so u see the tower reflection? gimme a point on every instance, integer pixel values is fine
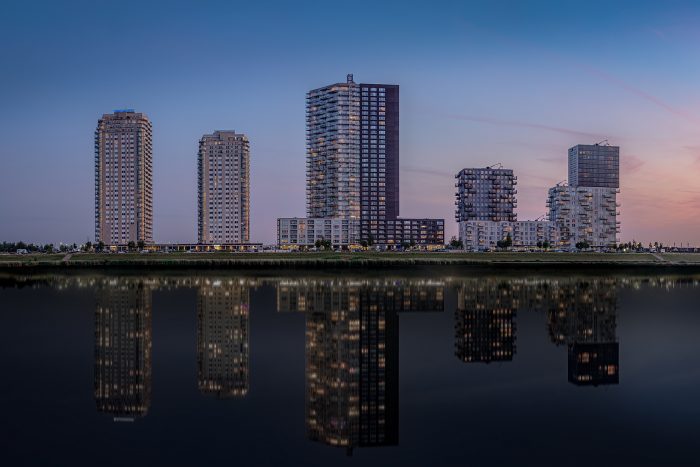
(583, 316)
(222, 338)
(485, 320)
(122, 374)
(352, 355)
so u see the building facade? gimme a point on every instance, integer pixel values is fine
(586, 209)
(223, 188)
(379, 159)
(123, 179)
(584, 215)
(594, 165)
(333, 151)
(352, 165)
(486, 194)
(484, 235)
(297, 232)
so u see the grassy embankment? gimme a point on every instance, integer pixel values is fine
(330, 259)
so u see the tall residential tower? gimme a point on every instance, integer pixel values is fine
(123, 179)
(352, 171)
(586, 209)
(224, 188)
(332, 151)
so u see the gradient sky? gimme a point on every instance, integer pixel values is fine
(481, 83)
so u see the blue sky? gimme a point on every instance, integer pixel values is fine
(481, 82)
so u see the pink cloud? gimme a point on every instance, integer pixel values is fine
(630, 164)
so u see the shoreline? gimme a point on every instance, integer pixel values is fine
(498, 260)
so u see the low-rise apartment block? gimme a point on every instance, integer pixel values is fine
(295, 232)
(484, 235)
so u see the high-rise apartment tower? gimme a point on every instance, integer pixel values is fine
(224, 188)
(123, 179)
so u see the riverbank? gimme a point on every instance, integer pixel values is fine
(347, 260)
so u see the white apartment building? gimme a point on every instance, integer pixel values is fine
(483, 235)
(295, 232)
(223, 188)
(585, 214)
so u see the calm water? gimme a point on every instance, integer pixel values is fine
(418, 368)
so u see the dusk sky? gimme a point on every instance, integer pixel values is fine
(481, 83)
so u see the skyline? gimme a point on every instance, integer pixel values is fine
(479, 86)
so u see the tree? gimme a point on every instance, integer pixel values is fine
(48, 248)
(364, 243)
(131, 245)
(509, 241)
(405, 245)
(545, 245)
(539, 244)
(100, 245)
(141, 244)
(88, 246)
(582, 245)
(370, 240)
(457, 244)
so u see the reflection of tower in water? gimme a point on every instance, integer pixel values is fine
(123, 350)
(583, 315)
(222, 338)
(485, 320)
(352, 355)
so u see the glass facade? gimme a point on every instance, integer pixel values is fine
(594, 165)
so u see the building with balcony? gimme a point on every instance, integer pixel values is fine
(584, 214)
(123, 178)
(352, 165)
(484, 235)
(586, 209)
(302, 232)
(223, 167)
(486, 194)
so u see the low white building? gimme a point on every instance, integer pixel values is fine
(295, 232)
(483, 235)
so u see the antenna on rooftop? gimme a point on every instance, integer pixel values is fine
(603, 143)
(497, 165)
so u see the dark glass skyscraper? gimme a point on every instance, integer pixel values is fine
(594, 165)
(379, 158)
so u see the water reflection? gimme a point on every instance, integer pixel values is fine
(352, 354)
(351, 342)
(222, 338)
(583, 316)
(123, 349)
(485, 320)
